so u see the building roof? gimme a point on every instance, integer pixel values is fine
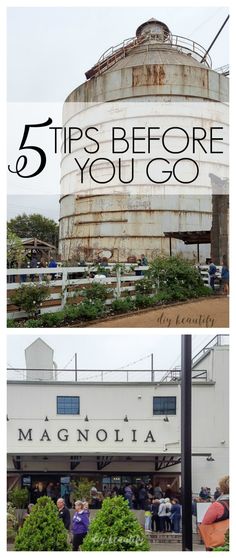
(36, 242)
(191, 237)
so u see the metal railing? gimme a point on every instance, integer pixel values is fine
(99, 375)
(175, 374)
(119, 51)
(224, 70)
(218, 340)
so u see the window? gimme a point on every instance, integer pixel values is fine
(68, 405)
(164, 405)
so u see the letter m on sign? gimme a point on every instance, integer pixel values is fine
(23, 436)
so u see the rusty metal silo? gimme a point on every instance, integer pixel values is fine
(155, 66)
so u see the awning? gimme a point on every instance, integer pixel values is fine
(191, 237)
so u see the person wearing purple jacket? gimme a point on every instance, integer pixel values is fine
(80, 524)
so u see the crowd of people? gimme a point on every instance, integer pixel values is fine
(223, 277)
(162, 509)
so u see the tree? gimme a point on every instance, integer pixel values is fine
(115, 528)
(15, 250)
(19, 497)
(42, 529)
(81, 489)
(35, 226)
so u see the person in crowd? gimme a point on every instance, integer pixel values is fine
(217, 493)
(115, 491)
(105, 490)
(95, 500)
(128, 495)
(38, 492)
(168, 509)
(209, 497)
(33, 263)
(80, 524)
(175, 515)
(52, 264)
(50, 491)
(142, 496)
(149, 489)
(168, 492)
(225, 277)
(212, 274)
(63, 513)
(28, 512)
(162, 515)
(148, 515)
(155, 523)
(42, 263)
(158, 491)
(57, 490)
(219, 510)
(203, 494)
(86, 509)
(143, 260)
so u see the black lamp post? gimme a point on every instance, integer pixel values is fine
(186, 441)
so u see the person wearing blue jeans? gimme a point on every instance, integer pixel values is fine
(175, 515)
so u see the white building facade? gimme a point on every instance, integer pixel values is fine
(112, 432)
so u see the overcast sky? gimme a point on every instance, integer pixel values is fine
(108, 350)
(49, 50)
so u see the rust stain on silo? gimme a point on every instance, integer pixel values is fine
(153, 74)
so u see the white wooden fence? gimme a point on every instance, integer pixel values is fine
(63, 288)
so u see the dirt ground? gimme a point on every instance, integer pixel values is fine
(210, 312)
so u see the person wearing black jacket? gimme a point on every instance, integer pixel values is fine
(63, 513)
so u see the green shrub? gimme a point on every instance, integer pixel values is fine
(90, 310)
(42, 529)
(19, 497)
(33, 322)
(163, 295)
(174, 272)
(115, 528)
(30, 297)
(12, 522)
(144, 286)
(52, 319)
(143, 301)
(123, 305)
(96, 291)
(13, 323)
(71, 312)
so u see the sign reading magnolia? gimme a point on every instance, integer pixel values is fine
(63, 435)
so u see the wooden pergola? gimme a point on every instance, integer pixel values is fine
(190, 237)
(42, 248)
